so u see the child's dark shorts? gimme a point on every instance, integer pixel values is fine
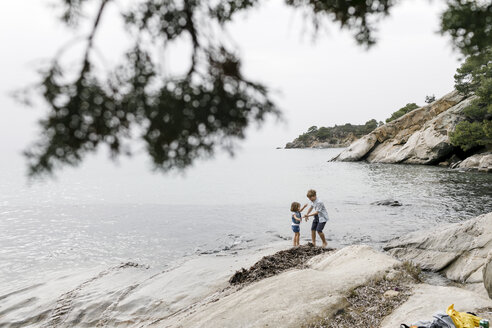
(316, 225)
(296, 228)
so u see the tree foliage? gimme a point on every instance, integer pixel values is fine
(469, 23)
(181, 117)
(402, 111)
(337, 132)
(475, 76)
(469, 135)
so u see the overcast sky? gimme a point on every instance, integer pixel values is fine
(326, 82)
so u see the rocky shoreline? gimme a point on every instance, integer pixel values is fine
(421, 137)
(322, 295)
(356, 286)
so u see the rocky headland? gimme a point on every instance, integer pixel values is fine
(421, 137)
(356, 286)
(314, 142)
(337, 136)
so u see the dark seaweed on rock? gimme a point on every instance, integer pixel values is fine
(271, 265)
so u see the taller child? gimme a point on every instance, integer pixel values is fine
(320, 217)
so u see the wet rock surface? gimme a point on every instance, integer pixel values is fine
(479, 162)
(271, 265)
(387, 202)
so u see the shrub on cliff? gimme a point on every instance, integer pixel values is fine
(469, 135)
(402, 111)
(430, 99)
(475, 76)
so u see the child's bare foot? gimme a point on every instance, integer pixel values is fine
(325, 244)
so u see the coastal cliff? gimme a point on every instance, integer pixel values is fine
(420, 137)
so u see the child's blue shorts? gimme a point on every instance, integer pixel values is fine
(316, 225)
(296, 228)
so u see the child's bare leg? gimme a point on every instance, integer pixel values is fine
(298, 237)
(294, 239)
(322, 236)
(313, 237)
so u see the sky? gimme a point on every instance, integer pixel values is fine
(323, 81)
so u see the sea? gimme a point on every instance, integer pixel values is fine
(105, 213)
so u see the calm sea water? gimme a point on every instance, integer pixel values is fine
(102, 214)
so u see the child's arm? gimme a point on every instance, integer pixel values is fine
(307, 214)
(302, 208)
(312, 214)
(297, 218)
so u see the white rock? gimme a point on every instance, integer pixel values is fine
(358, 149)
(457, 250)
(487, 275)
(120, 296)
(391, 293)
(418, 137)
(291, 298)
(480, 162)
(427, 300)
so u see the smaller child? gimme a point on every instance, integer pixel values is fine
(296, 210)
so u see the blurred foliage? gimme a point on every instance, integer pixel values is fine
(475, 77)
(469, 23)
(338, 132)
(181, 117)
(402, 111)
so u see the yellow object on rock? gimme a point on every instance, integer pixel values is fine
(462, 319)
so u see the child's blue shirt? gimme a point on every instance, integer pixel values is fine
(294, 220)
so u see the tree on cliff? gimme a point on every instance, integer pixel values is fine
(182, 117)
(475, 77)
(371, 125)
(402, 111)
(430, 99)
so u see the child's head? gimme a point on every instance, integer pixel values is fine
(295, 207)
(311, 194)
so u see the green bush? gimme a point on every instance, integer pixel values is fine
(476, 111)
(371, 125)
(468, 135)
(475, 76)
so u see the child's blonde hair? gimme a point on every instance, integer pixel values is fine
(295, 206)
(311, 193)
